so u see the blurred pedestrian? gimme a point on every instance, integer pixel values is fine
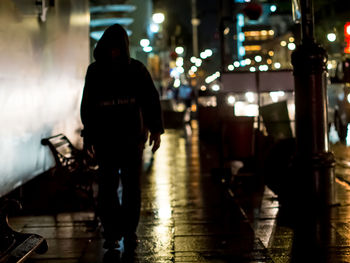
(120, 107)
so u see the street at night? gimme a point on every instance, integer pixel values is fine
(189, 216)
(154, 131)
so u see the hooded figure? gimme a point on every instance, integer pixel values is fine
(120, 107)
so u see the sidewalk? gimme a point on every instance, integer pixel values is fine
(187, 216)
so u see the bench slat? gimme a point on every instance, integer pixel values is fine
(26, 248)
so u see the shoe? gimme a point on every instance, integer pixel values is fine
(111, 244)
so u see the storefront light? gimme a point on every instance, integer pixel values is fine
(180, 70)
(193, 59)
(179, 62)
(241, 51)
(144, 42)
(198, 62)
(231, 100)
(179, 50)
(252, 69)
(194, 68)
(250, 96)
(215, 87)
(275, 95)
(158, 18)
(147, 49)
(263, 67)
(177, 83)
(236, 64)
(230, 67)
(226, 31)
(208, 52)
(243, 108)
(277, 65)
(241, 36)
(291, 46)
(273, 8)
(174, 73)
(331, 37)
(154, 28)
(258, 58)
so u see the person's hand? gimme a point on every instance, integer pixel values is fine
(154, 139)
(89, 148)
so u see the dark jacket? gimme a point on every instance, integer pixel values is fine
(120, 100)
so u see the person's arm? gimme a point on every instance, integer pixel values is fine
(151, 109)
(85, 111)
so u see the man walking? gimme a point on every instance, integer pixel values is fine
(120, 108)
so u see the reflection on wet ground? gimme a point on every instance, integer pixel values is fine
(188, 216)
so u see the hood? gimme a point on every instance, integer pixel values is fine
(114, 36)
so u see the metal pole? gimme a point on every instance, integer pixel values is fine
(221, 36)
(314, 163)
(195, 23)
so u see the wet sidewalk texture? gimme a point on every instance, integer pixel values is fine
(190, 216)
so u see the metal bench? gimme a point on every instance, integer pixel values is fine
(16, 246)
(74, 168)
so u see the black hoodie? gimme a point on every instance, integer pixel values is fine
(119, 100)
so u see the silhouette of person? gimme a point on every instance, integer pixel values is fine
(120, 107)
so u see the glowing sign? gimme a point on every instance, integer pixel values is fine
(347, 37)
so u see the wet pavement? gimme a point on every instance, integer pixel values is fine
(188, 215)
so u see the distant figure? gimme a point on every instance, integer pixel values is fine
(120, 106)
(186, 95)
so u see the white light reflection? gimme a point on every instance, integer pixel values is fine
(161, 180)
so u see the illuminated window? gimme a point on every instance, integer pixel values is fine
(253, 48)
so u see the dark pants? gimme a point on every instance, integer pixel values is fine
(119, 218)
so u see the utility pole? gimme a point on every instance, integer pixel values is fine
(195, 23)
(315, 164)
